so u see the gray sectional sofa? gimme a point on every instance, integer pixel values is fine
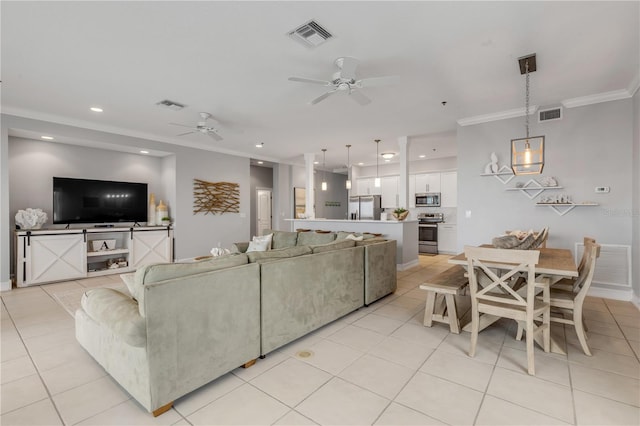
(185, 324)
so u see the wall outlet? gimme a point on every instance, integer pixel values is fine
(602, 189)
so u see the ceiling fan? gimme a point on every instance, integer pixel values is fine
(201, 127)
(345, 80)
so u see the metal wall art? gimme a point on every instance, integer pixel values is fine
(215, 197)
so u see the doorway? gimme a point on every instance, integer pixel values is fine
(263, 210)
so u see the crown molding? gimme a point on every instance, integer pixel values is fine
(502, 115)
(614, 95)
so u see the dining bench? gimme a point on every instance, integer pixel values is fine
(441, 301)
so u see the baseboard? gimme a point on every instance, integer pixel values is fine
(636, 301)
(606, 293)
(5, 285)
(405, 266)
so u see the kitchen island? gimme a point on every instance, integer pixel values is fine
(404, 232)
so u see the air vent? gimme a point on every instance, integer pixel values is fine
(171, 105)
(549, 114)
(310, 34)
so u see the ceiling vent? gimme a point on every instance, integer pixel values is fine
(171, 105)
(310, 34)
(550, 114)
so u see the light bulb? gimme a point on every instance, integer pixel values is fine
(347, 184)
(376, 182)
(527, 155)
(324, 186)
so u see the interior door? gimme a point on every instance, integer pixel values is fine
(263, 213)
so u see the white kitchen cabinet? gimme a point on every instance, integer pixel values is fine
(366, 186)
(412, 191)
(449, 189)
(447, 238)
(389, 192)
(427, 182)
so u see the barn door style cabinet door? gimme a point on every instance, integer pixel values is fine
(151, 247)
(42, 258)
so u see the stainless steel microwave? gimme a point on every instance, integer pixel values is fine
(428, 199)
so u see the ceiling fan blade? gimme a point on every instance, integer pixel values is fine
(359, 97)
(214, 135)
(182, 125)
(310, 80)
(182, 134)
(348, 67)
(322, 97)
(378, 81)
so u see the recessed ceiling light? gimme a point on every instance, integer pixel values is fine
(47, 138)
(260, 162)
(144, 152)
(96, 109)
(260, 145)
(360, 164)
(316, 162)
(387, 155)
(422, 156)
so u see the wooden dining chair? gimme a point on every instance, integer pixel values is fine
(569, 302)
(497, 296)
(570, 283)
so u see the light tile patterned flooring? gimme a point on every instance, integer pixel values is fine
(378, 365)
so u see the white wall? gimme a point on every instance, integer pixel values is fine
(591, 146)
(5, 217)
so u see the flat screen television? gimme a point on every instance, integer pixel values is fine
(98, 201)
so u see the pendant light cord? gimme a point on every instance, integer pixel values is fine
(526, 97)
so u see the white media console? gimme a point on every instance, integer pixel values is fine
(48, 255)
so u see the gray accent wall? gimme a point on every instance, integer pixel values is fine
(591, 146)
(170, 177)
(332, 203)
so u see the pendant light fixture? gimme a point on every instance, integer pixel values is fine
(376, 181)
(324, 172)
(527, 154)
(347, 183)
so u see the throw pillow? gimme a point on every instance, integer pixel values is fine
(353, 237)
(268, 238)
(258, 245)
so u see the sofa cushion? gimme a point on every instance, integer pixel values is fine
(341, 235)
(117, 312)
(314, 238)
(266, 256)
(259, 245)
(240, 247)
(334, 245)
(283, 239)
(166, 271)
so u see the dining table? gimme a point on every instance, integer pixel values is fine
(553, 265)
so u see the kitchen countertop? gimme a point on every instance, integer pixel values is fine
(357, 221)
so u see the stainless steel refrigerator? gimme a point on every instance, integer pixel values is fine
(365, 207)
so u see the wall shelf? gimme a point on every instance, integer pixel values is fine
(502, 171)
(564, 208)
(535, 186)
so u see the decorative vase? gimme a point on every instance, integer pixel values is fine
(151, 220)
(401, 216)
(161, 211)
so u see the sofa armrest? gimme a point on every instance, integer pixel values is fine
(117, 312)
(240, 247)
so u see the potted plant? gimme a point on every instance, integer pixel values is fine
(400, 213)
(166, 221)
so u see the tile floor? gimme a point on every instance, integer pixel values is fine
(378, 365)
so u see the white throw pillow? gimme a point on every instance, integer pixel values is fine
(262, 243)
(353, 237)
(258, 245)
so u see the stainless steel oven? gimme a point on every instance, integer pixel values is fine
(428, 232)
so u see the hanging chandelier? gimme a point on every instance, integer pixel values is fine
(347, 183)
(527, 154)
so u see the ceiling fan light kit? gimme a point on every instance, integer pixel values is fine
(345, 80)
